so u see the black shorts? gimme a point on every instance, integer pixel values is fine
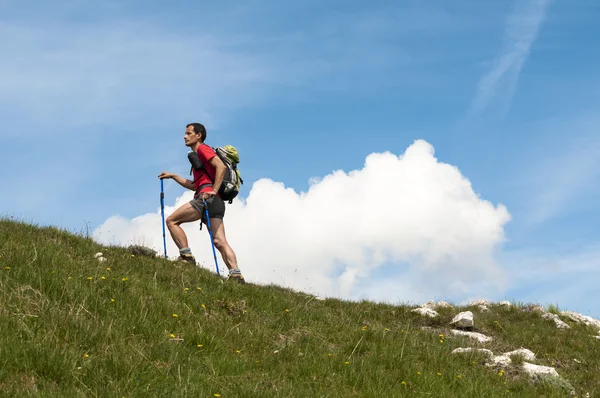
(216, 207)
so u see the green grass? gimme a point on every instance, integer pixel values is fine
(72, 326)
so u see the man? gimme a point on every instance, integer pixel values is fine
(206, 184)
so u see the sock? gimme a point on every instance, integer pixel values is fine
(235, 271)
(185, 251)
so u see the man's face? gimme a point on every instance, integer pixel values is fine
(190, 137)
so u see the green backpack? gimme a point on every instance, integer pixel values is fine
(232, 180)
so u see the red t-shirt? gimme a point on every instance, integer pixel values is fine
(205, 153)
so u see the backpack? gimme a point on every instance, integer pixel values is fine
(232, 179)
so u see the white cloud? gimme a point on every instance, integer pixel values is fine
(402, 227)
(521, 32)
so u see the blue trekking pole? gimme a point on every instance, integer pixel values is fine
(162, 210)
(211, 237)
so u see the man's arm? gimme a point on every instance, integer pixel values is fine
(180, 180)
(219, 173)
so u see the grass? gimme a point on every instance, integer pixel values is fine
(137, 326)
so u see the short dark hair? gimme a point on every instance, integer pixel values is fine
(199, 129)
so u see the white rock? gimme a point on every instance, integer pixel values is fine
(526, 354)
(482, 338)
(433, 305)
(483, 308)
(429, 304)
(101, 259)
(479, 302)
(470, 349)
(464, 319)
(426, 312)
(500, 360)
(537, 370)
(559, 324)
(505, 360)
(317, 297)
(99, 254)
(443, 304)
(535, 308)
(504, 303)
(587, 320)
(598, 337)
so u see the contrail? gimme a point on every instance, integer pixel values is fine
(521, 32)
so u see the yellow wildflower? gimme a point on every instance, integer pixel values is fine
(175, 315)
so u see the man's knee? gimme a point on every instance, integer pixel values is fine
(219, 243)
(171, 220)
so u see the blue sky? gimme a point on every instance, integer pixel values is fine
(95, 96)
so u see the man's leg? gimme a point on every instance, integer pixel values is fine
(227, 253)
(186, 213)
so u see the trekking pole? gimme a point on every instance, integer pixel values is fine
(211, 237)
(162, 210)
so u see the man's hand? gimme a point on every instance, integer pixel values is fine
(164, 175)
(207, 195)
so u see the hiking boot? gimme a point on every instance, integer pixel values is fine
(187, 258)
(238, 277)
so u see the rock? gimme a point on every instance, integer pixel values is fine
(500, 361)
(443, 304)
(597, 337)
(426, 312)
(433, 305)
(99, 254)
(319, 298)
(587, 320)
(463, 320)
(470, 349)
(505, 303)
(483, 308)
(505, 359)
(537, 370)
(479, 302)
(138, 250)
(474, 335)
(101, 259)
(559, 323)
(535, 308)
(526, 354)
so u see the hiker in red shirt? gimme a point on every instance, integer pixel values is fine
(213, 170)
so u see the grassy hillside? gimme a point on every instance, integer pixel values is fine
(136, 326)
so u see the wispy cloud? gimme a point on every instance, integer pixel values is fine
(521, 32)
